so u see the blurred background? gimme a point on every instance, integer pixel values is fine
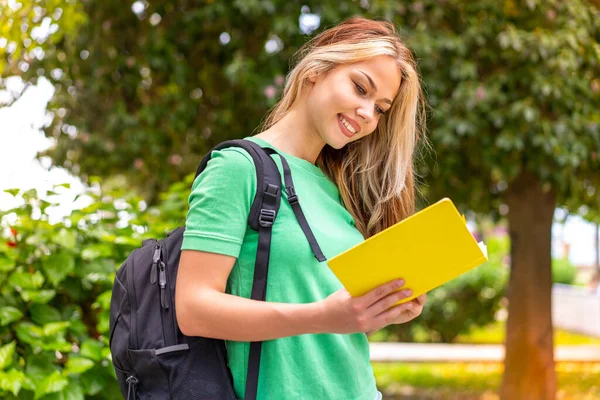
(107, 107)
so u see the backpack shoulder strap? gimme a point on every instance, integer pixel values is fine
(268, 181)
(261, 218)
(292, 197)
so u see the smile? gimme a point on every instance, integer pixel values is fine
(347, 128)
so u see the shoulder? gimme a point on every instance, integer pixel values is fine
(232, 157)
(229, 163)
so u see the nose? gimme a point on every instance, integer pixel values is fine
(365, 113)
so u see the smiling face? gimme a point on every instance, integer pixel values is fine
(347, 103)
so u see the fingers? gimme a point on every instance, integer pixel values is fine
(397, 313)
(389, 301)
(381, 291)
(402, 313)
(420, 300)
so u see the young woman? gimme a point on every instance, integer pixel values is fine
(347, 123)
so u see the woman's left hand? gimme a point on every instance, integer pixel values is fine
(413, 312)
(410, 314)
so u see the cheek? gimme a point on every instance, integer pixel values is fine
(370, 129)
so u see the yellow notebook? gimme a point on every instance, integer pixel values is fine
(427, 249)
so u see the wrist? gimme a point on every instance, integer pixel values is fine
(317, 319)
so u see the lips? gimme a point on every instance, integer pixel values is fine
(345, 130)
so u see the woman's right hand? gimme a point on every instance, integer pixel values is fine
(343, 313)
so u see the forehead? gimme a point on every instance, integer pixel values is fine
(384, 71)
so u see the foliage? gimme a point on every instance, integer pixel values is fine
(515, 88)
(563, 271)
(145, 90)
(56, 289)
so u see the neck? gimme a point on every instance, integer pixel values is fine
(294, 135)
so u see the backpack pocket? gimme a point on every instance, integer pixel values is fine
(152, 380)
(194, 371)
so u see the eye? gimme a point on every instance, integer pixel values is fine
(360, 89)
(362, 92)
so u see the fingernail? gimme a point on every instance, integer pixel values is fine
(400, 282)
(408, 292)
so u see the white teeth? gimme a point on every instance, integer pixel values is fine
(347, 125)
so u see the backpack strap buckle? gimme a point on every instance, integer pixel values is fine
(291, 195)
(266, 218)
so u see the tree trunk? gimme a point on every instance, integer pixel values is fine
(529, 360)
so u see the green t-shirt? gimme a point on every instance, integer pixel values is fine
(311, 366)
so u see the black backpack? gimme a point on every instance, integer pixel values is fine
(151, 357)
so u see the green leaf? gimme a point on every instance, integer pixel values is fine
(12, 381)
(38, 296)
(103, 322)
(96, 251)
(94, 381)
(54, 328)
(128, 240)
(29, 333)
(72, 392)
(102, 266)
(78, 365)
(50, 384)
(9, 314)
(25, 280)
(14, 192)
(103, 300)
(42, 314)
(74, 289)
(60, 344)
(30, 194)
(66, 239)
(6, 354)
(39, 366)
(78, 329)
(92, 349)
(58, 266)
(6, 264)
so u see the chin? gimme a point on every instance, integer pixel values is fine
(338, 146)
(337, 142)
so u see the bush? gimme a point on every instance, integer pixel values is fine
(57, 280)
(563, 271)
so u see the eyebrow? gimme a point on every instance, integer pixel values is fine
(375, 87)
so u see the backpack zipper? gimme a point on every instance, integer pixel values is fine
(155, 260)
(162, 283)
(131, 387)
(160, 268)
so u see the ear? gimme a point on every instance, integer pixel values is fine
(312, 78)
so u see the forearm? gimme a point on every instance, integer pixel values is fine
(224, 316)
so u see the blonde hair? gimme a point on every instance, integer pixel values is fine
(375, 174)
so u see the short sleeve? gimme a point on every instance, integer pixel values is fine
(220, 202)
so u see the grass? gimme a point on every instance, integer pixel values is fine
(480, 381)
(467, 381)
(494, 334)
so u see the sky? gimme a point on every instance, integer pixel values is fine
(21, 138)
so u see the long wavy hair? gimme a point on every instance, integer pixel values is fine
(375, 175)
